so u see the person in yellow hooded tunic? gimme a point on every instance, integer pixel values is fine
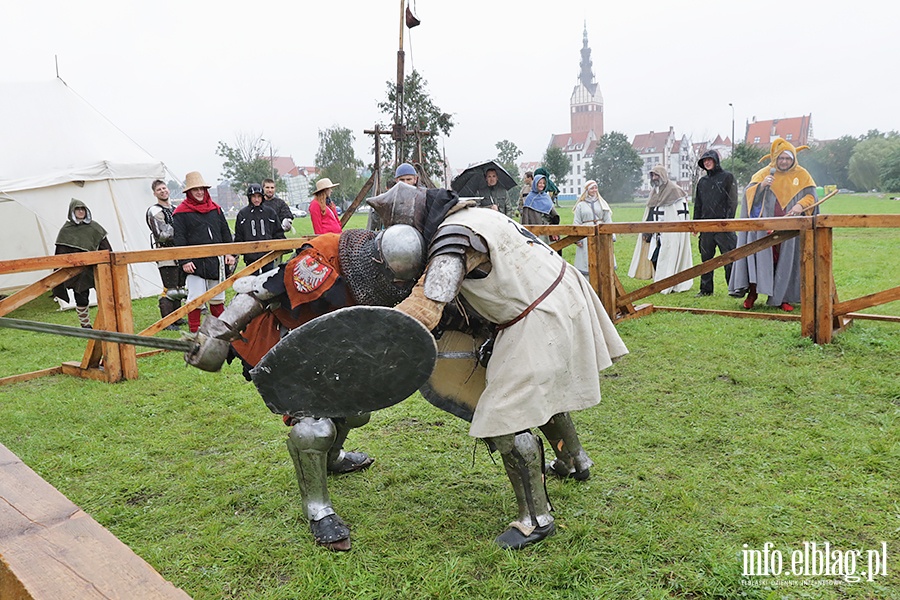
(783, 188)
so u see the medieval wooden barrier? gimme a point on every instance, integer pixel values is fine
(108, 361)
(821, 313)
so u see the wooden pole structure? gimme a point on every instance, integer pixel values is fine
(363, 192)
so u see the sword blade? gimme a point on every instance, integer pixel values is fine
(458, 355)
(97, 334)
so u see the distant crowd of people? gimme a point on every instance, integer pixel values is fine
(782, 188)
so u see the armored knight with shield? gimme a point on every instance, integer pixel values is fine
(329, 273)
(548, 337)
(522, 339)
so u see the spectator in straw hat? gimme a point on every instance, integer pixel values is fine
(197, 221)
(323, 213)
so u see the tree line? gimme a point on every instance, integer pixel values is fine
(863, 163)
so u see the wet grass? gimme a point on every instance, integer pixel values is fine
(713, 433)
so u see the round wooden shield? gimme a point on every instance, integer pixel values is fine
(351, 361)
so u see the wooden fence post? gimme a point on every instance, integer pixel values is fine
(808, 284)
(824, 304)
(601, 270)
(106, 319)
(124, 316)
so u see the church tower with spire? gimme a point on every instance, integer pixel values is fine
(586, 125)
(586, 103)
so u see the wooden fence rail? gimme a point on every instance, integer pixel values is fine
(821, 313)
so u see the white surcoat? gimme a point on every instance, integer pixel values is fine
(548, 362)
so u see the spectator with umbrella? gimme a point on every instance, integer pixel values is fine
(488, 183)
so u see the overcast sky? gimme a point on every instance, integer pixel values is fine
(179, 76)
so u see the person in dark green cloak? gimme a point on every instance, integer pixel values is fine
(79, 234)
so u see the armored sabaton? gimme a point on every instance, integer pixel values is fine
(312, 375)
(502, 273)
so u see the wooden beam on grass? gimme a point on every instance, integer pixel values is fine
(765, 316)
(51, 549)
(640, 310)
(107, 310)
(808, 284)
(74, 369)
(29, 376)
(824, 306)
(602, 277)
(124, 317)
(629, 308)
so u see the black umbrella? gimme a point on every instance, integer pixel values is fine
(470, 181)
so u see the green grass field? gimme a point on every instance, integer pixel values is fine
(713, 434)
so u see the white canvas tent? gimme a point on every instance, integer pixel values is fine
(55, 147)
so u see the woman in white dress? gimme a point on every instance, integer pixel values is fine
(590, 209)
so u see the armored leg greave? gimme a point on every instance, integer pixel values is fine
(340, 461)
(308, 444)
(523, 458)
(571, 459)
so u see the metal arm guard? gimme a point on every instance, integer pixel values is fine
(217, 333)
(447, 261)
(571, 459)
(455, 239)
(308, 444)
(444, 276)
(523, 458)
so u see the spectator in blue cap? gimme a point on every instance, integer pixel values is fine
(407, 174)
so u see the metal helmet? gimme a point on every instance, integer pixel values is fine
(403, 204)
(403, 250)
(254, 188)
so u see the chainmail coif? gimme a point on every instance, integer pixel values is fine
(370, 282)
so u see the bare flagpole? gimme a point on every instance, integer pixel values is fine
(398, 133)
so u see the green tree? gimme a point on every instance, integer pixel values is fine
(507, 155)
(616, 167)
(828, 162)
(175, 189)
(419, 113)
(871, 158)
(557, 164)
(744, 162)
(248, 162)
(890, 175)
(337, 161)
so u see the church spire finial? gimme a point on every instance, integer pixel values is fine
(586, 76)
